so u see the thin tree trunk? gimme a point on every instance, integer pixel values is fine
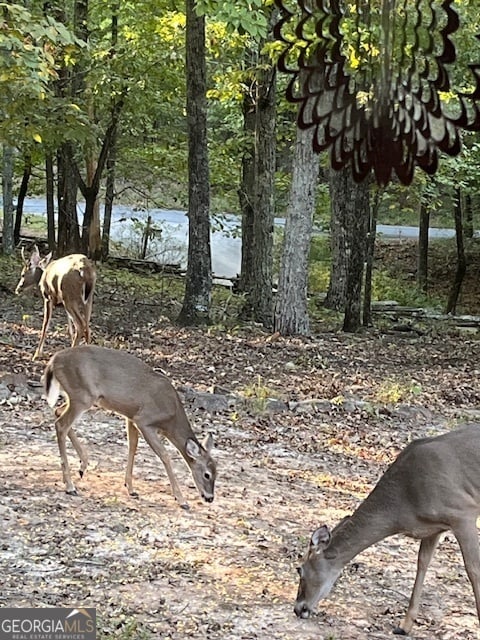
(291, 312)
(22, 194)
(468, 224)
(370, 255)
(8, 244)
(198, 281)
(112, 151)
(50, 198)
(109, 196)
(422, 265)
(461, 259)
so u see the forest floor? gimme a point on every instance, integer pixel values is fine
(226, 570)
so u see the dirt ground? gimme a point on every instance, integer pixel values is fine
(226, 570)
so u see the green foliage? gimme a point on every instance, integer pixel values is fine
(244, 16)
(259, 393)
(32, 45)
(386, 286)
(392, 391)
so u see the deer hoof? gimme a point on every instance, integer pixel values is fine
(72, 492)
(185, 506)
(133, 494)
(398, 631)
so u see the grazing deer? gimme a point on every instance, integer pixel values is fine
(69, 281)
(117, 381)
(433, 486)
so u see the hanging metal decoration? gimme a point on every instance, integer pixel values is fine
(371, 78)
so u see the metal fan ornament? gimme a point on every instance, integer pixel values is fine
(371, 78)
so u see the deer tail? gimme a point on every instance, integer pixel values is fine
(52, 386)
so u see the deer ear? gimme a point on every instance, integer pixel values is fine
(320, 539)
(192, 449)
(207, 442)
(34, 256)
(46, 260)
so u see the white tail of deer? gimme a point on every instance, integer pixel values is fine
(69, 281)
(433, 486)
(117, 381)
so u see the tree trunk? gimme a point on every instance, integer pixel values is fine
(370, 255)
(260, 298)
(350, 214)
(246, 193)
(468, 229)
(291, 312)
(68, 230)
(461, 260)
(22, 194)
(198, 282)
(422, 264)
(112, 151)
(50, 198)
(8, 244)
(109, 196)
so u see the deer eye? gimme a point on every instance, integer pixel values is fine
(207, 475)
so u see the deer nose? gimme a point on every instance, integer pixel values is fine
(208, 498)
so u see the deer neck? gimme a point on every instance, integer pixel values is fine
(37, 275)
(179, 431)
(374, 520)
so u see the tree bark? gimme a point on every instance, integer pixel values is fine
(246, 192)
(198, 281)
(109, 197)
(50, 199)
(370, 255)
(468, 229)
(112, 151)
(8, 244)
(291, 312)
(260, 297)
(22, 194)
(350, 203)
(422, 264)
(68, 229)
(461, 259)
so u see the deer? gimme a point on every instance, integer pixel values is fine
(112, 379)
(68, 281)
(433, 486)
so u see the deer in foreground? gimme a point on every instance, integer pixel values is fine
(432, 487)
(69, 281)
(90, 376)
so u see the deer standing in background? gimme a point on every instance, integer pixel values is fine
(90, 376)
(433, 486)
(69, 281)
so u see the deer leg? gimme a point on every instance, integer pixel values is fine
(47, 314)
(151, 436)
(75, 323)
(467, 537)
(425, 554)
(81, 451)
(88, 315)
(71, 328)
(63, 426)
(132, 437)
